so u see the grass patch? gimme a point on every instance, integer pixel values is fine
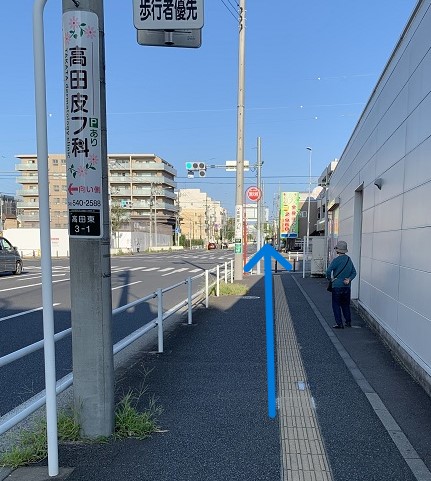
(130, 423)
(234, 289)
(31, 446)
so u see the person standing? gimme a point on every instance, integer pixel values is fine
(342, 272)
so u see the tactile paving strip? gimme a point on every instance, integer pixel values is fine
(303, 455)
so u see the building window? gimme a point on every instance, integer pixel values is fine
(54, 161)
(56, 188)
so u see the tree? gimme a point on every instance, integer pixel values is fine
(119, 215)
(229, 230)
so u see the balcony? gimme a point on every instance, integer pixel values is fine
(32, 167)
(25, 192)
(29, 217)
(27, 205)
(27, 179)
(120, 192)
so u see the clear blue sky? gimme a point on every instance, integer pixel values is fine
(310, 69)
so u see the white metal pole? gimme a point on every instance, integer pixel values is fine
(1, 213)
(189, 299)
(218, 281)
(308, 210)
(160, 319)
(155, 218)
(206, 288)
(151, 217)
(45, 236)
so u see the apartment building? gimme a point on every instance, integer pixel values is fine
(142, 184)
(201, 218)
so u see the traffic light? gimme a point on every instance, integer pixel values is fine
(199, 167)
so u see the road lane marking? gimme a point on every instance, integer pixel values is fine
(38, 276)
(176, 270)
(25, 312)
(196, 270)
(31, 285)
(167, 269)
(150, 269)
(125, 285)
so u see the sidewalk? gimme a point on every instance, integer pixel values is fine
(347, 410)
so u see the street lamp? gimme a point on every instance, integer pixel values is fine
(308, 213)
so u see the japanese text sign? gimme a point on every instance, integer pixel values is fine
(168, 14)
(82, 119)
(289, 208)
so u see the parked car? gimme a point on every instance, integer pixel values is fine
(10, 259)
(212, 245)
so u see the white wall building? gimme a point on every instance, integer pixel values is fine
(379, 198)
(201, 217)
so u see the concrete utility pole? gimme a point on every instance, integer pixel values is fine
(239, 196)
(90, 282)
(259, 202)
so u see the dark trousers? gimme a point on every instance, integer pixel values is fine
(341, 302)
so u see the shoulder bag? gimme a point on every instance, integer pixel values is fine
(329, 288)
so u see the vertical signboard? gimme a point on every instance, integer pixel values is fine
(289, 208)
(82, 123)
(238, 228)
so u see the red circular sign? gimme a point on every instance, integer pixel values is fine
(253, 193)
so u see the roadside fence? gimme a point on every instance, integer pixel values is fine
(209, 279)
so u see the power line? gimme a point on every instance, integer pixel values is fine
(234, 15)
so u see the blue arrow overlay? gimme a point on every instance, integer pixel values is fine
(267, 252)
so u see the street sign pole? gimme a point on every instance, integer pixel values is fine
(45, 241)
(239, 195)
(90, 262)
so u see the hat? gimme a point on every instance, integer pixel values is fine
(341, 247)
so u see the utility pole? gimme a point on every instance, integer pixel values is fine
(90, 261)
(259, 202)
(239, 195)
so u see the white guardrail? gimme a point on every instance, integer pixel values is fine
(20, 413)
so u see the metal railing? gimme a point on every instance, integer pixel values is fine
(192, 300)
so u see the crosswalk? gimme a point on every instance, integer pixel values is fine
(164, 271)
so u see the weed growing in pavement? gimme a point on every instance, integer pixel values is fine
(31, 445)
(234, 289)
(130, 423)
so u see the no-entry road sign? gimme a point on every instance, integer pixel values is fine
(253, 193)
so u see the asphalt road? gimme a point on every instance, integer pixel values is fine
(133, 277)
